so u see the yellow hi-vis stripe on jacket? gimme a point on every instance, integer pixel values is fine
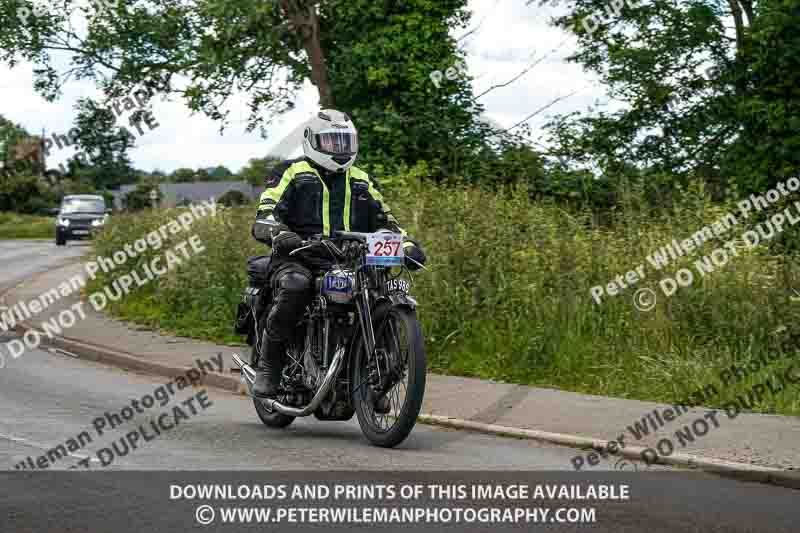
(276, 193)
(373, 191)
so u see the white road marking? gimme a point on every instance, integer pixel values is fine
(59, 351)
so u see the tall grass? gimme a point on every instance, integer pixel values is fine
(16, 226)
(508, 296)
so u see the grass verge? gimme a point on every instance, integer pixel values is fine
(508, 294)
(16, 226)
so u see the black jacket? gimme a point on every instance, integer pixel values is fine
(303, 198)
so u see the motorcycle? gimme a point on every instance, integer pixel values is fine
(359, 348)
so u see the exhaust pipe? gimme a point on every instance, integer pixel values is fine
(248, 374)
(249, 377)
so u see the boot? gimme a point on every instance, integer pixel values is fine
(270, 367)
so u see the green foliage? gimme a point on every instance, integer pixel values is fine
(380, 74)
(700, 99)
(139, 198)
(10, 135)
(219, 173)
(768, 110)
(196, 298)
(182, 175)
(215, 47)
(21, 190)
(205, 51)
(25, 194)
(105, 145)
(17, 151)
(233, 198)
(507, 295)
(16, 226)
(256, 169)
(188, 175)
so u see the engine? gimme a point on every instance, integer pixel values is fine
(337, 286)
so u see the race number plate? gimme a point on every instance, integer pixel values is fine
(385, 249)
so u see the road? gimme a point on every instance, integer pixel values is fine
(41, 391)
(46, 399)
(24, 258)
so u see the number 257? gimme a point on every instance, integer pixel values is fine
(386, 248)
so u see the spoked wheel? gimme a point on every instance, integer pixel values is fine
(270, 418)
(388, 389)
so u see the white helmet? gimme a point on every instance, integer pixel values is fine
(331, 140)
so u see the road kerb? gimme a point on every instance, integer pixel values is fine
(741, 471)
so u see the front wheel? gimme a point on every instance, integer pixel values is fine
(388, 389)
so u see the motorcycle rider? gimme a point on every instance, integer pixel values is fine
(316, 194)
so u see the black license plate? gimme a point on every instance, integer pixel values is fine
(398, 285)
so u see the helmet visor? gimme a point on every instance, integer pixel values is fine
(336, 142)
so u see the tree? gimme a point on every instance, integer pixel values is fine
(219, 173)
(256, 170)
(699, 101)
(139, 198)
(157, 174)
(20, 153)
(201, 174)
(24, 194)
(233, 198)
(182, 175)
(216, 47)
(383, 78)
(373, 59)
(102, 157)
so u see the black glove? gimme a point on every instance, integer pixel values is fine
(413, 251)
(285, 242)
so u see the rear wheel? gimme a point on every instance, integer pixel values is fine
(389, 388)
(270, 418)
(60, 240)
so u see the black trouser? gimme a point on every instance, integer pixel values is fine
(291, 284)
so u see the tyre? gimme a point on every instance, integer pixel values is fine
(60, 241)
(272, 419)
(400, 349)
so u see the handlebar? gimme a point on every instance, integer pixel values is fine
(328, 242)
(305, 246)
(351, 235)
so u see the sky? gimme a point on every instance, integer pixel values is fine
(510, 35)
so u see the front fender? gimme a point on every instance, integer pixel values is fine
(380, 309)
(399, 299)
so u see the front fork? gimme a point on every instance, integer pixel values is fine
(365, 316)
